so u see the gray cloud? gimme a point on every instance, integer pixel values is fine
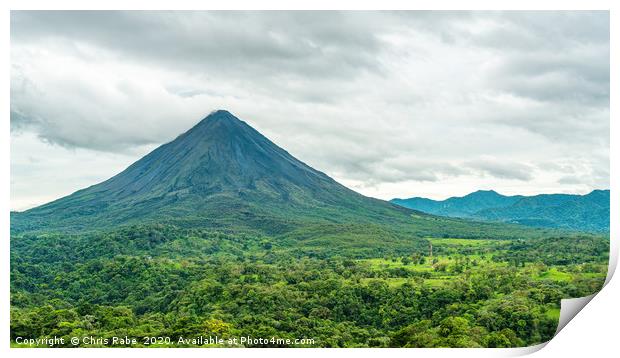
(397, 102)
(570, 180)
(271, 43)
(502, 169)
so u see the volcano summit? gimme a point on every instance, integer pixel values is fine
(221, 173)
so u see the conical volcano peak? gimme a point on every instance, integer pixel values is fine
(220, 171)
(221, 118)
(220, 115)
(220, 158)
(219, 127)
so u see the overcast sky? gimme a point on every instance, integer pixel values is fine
(391, 104)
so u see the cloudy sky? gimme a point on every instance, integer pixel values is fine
(391, 104)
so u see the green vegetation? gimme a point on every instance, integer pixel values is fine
(163, 281)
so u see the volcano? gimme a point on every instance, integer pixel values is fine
(221, 173)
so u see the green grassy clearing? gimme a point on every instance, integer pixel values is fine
(554, 275)
(466, 242)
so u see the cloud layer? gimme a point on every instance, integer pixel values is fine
(390, 103)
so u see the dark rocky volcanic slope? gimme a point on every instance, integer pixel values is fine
(220, 173)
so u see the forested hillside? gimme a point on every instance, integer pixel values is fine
(573, 212)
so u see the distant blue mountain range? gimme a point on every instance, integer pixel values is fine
(588, 212)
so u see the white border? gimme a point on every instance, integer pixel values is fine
(592, 332)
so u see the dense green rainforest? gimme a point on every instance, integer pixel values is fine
(163, 285)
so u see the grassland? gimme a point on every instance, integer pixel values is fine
(476, 256)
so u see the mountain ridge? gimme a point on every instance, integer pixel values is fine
(588, 212)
